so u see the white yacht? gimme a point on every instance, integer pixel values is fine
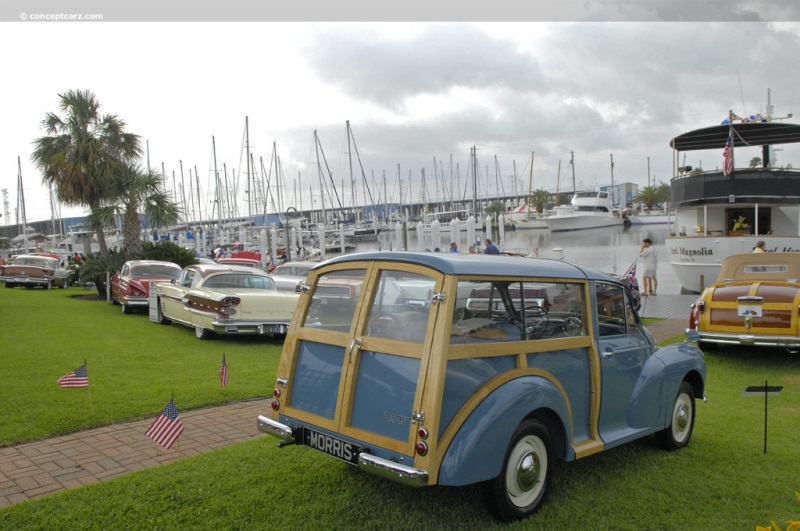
(720, 213)
(589, 210)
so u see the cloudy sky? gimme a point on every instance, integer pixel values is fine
(414, 92)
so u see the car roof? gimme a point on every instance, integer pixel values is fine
(733, 266)
(134, 263)
(208, 269)
(480, 264)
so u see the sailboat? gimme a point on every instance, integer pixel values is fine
(526, 216)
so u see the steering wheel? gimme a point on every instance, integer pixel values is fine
(381, 323)
(572, 326)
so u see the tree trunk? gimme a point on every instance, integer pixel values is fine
(132, 235)
(99, 231)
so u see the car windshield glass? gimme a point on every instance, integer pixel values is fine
(400, 306)
(156, 271)
(334, 300)
(239, 280)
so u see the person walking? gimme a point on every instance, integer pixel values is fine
(648, 253)
(490, 247)
(760, 247)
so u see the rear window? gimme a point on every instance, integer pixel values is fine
(333, 302)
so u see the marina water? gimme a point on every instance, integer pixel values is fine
(610, 250)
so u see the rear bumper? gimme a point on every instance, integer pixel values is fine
(231, 326)
(139, 302)
(758, 340)
(28, 280)
(406, 475)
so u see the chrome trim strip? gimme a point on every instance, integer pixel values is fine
(750, 339)
(406, 475)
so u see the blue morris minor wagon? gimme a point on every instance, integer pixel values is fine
(429, 368)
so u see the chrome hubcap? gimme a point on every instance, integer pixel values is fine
(528, 472)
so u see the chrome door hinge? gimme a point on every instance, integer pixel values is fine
(438, 297)
(418, 417)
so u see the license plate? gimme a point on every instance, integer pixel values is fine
(21, 279)
(332, 446)
(271, 329)
(750, 310)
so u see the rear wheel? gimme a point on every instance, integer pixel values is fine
(522, 484)
(126, 309)
(203, 333)
(681, 425)
(9, 284)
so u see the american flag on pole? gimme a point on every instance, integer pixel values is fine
(223, 372)
(631, 275)
(77, 378)
(166, 429)
(727, 155)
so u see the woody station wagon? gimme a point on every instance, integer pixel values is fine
(433, 368)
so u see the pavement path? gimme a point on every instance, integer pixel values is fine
(32, 470)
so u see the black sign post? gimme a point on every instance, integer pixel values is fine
(765, 390)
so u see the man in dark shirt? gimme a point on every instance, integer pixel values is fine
(490, 247)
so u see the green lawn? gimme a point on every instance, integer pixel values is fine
(134, 365)
(722, 480)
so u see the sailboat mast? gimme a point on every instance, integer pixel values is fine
(218, 194)
(248, 191)
(572, 163)
(530, 187)
(20, 199)
(612, 181)
(199, 204)
(352, 180)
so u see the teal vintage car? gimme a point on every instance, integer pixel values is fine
(445, 369)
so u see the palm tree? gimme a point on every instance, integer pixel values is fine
(648, 195)
(83, 152)
(135, 191)
(540, 198)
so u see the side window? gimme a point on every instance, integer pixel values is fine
(400, 306)
(188, 277)
(334, 298)
(615, 314)
(517, 311)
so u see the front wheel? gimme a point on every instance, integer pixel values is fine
(522, 484)
(10, 285)
(681, 424)
(126, 309)
(160, 318)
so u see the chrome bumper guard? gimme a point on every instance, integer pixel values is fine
(276, 429)
(406, 475)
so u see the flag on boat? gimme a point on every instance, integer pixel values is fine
(223, 372)
(631, 275)
(77, 378)
(166, 429)
(727, 155)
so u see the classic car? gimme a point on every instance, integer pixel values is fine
(246, 262)
(130, 288)
(218, 299)
(754, 301)
(31, 270)
(444, 369)
(289, 276)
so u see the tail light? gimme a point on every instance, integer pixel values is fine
(230, 301)
(422, 448)
(694, 316)
(276, 405)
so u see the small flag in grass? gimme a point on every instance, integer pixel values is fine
(223, 372)
(77, 378)
(166, 429)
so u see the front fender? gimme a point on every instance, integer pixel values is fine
(478, 448)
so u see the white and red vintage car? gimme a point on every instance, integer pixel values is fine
(32, 270)
(755, 301)
(219, 299)
(130, 288)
